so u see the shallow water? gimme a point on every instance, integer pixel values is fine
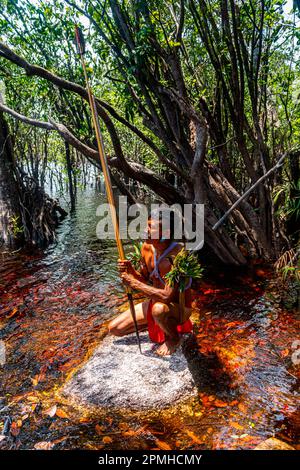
(54, 307)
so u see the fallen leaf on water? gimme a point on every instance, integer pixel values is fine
(242, 436)
(51, 411)
(232, 324)
(206, 401)
(134, 432)
(284, 352)
(236, 425)
(123, 426)
(18, 398)
(99, 429)
(72, 363)
(257, 415)
(60, 439)
(107, 440)
(61, 414)
(44, 445)
(93, 447)
(32, 399)
(243, 408)
(39, 377)
(220, 403)
(234, 402)
(162, 445)
(193, 437)
(84, 420)
(13, 313)
(35, 380)
(14, 429)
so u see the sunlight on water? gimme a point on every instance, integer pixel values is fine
(53, 311)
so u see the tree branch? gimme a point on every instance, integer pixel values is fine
(36, 70)
(20, 117)
(132, 169)
(246, 193)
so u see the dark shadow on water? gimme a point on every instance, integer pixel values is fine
(201, 367)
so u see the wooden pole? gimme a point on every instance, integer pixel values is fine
(106, 174)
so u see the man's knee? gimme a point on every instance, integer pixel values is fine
(159, 309)
(115, 329)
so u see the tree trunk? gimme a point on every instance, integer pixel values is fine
(70, 176)
(27, 214)
(10, 219)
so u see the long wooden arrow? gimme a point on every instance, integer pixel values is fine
(103, 160)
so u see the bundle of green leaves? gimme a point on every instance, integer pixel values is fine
(185, 266)
(136, 256)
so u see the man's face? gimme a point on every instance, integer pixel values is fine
(155, 232)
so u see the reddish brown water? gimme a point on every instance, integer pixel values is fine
(53, 310)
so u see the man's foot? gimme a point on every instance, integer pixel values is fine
(168, 348)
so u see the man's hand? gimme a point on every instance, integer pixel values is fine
(125, 266)
(127, 279)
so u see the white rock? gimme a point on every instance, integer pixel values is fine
(118, 376)
(273, 444)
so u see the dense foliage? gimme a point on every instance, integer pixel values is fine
(198, 101)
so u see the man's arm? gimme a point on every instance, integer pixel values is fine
(165, 295)
(125, 266)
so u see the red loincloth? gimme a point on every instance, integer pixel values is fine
(156, 334)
